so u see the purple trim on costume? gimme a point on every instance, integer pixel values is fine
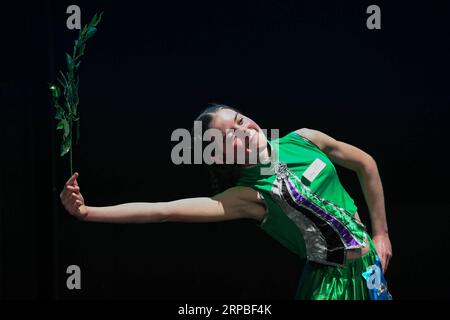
(344, 233)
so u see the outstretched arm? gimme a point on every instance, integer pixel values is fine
(234, 203)
(366, 168)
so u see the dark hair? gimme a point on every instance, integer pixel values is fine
(222, 176)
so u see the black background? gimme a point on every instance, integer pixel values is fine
(151, 68)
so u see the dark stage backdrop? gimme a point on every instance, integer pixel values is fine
(149, 70)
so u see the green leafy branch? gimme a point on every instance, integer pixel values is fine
(67, 112)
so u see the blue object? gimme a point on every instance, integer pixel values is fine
(376, 283)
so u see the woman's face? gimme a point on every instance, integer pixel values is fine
(241, 135)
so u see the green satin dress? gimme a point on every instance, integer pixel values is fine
(314, 217)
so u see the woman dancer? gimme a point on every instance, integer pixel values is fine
(294, 194)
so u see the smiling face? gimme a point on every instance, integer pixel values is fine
(241, 135)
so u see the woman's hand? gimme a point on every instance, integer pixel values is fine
(72, 199)
(384, 250)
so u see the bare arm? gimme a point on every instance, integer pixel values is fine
(234, 203)
(366, 169)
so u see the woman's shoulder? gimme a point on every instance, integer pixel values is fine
(305, 135)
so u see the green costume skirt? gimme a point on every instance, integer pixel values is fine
(323, 282)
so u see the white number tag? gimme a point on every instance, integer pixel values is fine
(314, 169)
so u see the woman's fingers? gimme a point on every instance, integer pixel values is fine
(72, 179)
(385, 259)
(70, 187)
(76, 200)
(73, 189)
(66, 195)
(72, 199)
(75, 196)
(388, 259)
(383, 248)
(383, 263)
(69, 200)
